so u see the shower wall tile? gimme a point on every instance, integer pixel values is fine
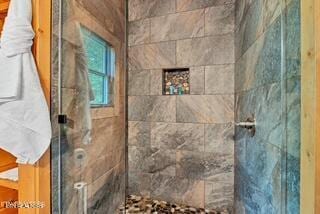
(183, 191)
(178, 136)
(197, 76)
(152, 56)
(138, 82)
(185, 5)
(110, 14)
(255, 21)
(156, 82)
(219, 50)
(112, 182)
(219, 137)
(259, 159)
(293, 116)
(219, 20)
(139, 183)
(293, 184)
(265, 104)
(152, 108)
(205, 109)
(241, 10)
(204, 166)
(219, 192)
(139, 32)
(261, 64)
(178, 143)
(263, 173)
(152, 160)
(139, 133)
(219, 79)
(178, 26)
(293, 38)
(140, 9)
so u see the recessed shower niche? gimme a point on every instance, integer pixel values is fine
(176, 81)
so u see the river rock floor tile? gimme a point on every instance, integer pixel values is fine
(145, 205)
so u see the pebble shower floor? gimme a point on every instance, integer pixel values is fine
(144, 205)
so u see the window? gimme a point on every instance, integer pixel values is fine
(101, 65)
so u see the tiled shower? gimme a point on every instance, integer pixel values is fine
(185, 74)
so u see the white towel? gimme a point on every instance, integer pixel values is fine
(25, 129)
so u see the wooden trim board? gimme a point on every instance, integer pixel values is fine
(310, 111)
(35, 181)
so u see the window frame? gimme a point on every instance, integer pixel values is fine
(93, 25)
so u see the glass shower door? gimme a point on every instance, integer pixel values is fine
(89, 107)
(268, 89)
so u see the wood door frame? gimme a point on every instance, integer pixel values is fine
(310, 109)
(35, 181)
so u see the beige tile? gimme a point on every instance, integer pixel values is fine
(152, 108)
(197, 75)
(185, 5)
(156, 82)
(138, 82)
(152, 56)
(177, 26)
(206, 51)
(219, 79)
(139, 32)
(219, 191)
(219, 20)
(140, 9)
(205, 109)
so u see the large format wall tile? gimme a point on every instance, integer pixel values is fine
(205, 51)
(205, 109)
(138, 82)
(185, 5)
(152, 56)
(178, 26)
(156, 82)
(265, 103)
(181, 136)
(261, 64)
(206, 166)
(219, 20)
(293, 38)
(178, 143)
(219, 192)
(139, 32)
(256, 20)
(139, 133)
(219, 79)
(152, 108)
(140, 9)
(112, 182)
(139, 183)
(219, 137)
(151, 160)
(197, 80)
(182, 191)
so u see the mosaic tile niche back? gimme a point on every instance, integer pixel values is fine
(176, 81)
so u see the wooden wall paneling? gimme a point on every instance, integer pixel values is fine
(34, 181)
(310, 112)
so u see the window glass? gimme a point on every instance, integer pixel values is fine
(101, 65)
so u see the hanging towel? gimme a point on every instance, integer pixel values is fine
(25, 129)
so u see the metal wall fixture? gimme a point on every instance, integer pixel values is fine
(249, 124)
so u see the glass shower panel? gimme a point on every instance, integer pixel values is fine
(88, 79)
(268, 89)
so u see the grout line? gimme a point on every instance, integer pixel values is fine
(183, 39)
(185, 66)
